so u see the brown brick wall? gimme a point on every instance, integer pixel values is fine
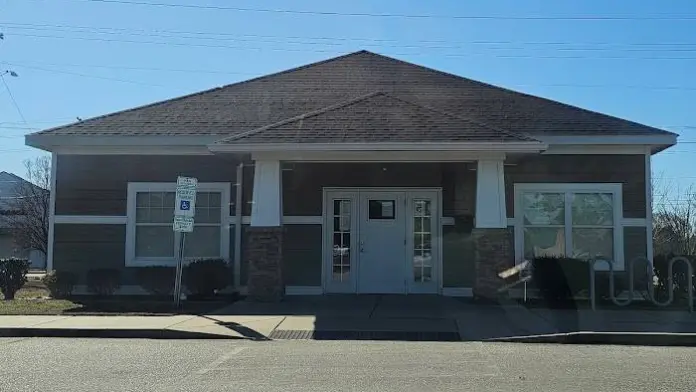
(265, 257)
(494, 254)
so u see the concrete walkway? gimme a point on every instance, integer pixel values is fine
(370, 317)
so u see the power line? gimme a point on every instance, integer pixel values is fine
(12, 98)
(325, 38)
(336, 52)
(395, 15)
(197, 71)
(93, 76)
(325, 41)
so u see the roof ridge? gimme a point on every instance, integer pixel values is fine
(303, 116)
(152, 104)
(467, 119)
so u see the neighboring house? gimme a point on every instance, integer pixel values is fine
(358, 174)
(10, 186)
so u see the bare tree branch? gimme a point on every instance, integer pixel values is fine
(29, 220)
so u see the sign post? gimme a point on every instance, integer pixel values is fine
(184, 211)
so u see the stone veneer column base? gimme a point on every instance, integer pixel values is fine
(264, 250)
(493, 255)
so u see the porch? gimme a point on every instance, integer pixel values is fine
(376, 227)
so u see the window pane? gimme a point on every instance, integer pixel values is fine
(160, 215)
(202, 199)
(142, 215)
(543, 208)
(154, 241)
(590, 243)
(169, 200)
(142, 199)
(214, 200)
(544, 241)
(156, 199)
(593, 209)
(421, 208)
(381, 209)
(204, 241)
(341, 241)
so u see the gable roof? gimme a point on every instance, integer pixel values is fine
(257, 103)
(373, 118)
(9, 185)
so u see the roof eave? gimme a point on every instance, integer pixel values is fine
(420, 146)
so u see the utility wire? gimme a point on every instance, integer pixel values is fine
(395, 15)
(12, 98)
(199, 71)
(324, 38)
(558, 46)
(335, 52)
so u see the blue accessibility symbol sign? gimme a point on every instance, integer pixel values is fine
(185, 205)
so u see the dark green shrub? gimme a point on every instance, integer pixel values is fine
(103, 281)
(205, 277)
(679, 275)
(13, 275)
(60, 283)
(157, 280)
(559, 279)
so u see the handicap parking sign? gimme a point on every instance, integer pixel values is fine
(185, 205)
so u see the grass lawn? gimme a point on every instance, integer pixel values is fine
(33, 299)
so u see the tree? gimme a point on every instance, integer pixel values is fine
(29, 223)
(674, 221)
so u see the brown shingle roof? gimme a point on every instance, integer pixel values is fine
(375, 117)
(256, 103)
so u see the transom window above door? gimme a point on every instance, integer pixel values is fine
(572, 220)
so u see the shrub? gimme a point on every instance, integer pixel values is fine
(559, 279)
(679, 275)
(103, 281)
(13, 275)
(60, 283)
(204, 277)
(157, 280)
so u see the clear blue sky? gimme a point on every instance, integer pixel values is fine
(85, 58)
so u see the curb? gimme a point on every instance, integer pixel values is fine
(108, 333)
(616, 338)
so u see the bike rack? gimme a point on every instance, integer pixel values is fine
(651, 289)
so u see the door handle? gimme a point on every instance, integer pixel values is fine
(362, 246)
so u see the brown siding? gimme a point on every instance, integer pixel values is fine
(626, 169)
(635, 244)
(79, 248)
(303, 182)
(97, 185)
(302, 255)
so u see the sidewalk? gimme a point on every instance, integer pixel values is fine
(377, 317)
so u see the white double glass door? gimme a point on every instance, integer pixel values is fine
(381, 241)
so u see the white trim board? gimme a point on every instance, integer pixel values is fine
(530, 146)
(304, 290)
(135, 187)
(616, 189)
(52, 213)
(458, 292)
(90, 219)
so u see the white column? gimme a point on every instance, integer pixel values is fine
(52, 212)
(490, 195)
(267, 207)
(648, 207)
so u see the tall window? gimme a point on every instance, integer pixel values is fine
(151, 214)
(573, 220)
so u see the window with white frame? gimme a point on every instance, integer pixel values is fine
(573, 220)
(150, 237)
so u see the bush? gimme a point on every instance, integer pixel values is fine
(103, 281)
(157, 280)
(559, 279)
(60, 283)
(13, 275)
(679, 274)
(205, 277)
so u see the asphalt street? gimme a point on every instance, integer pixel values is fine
(35, 364)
